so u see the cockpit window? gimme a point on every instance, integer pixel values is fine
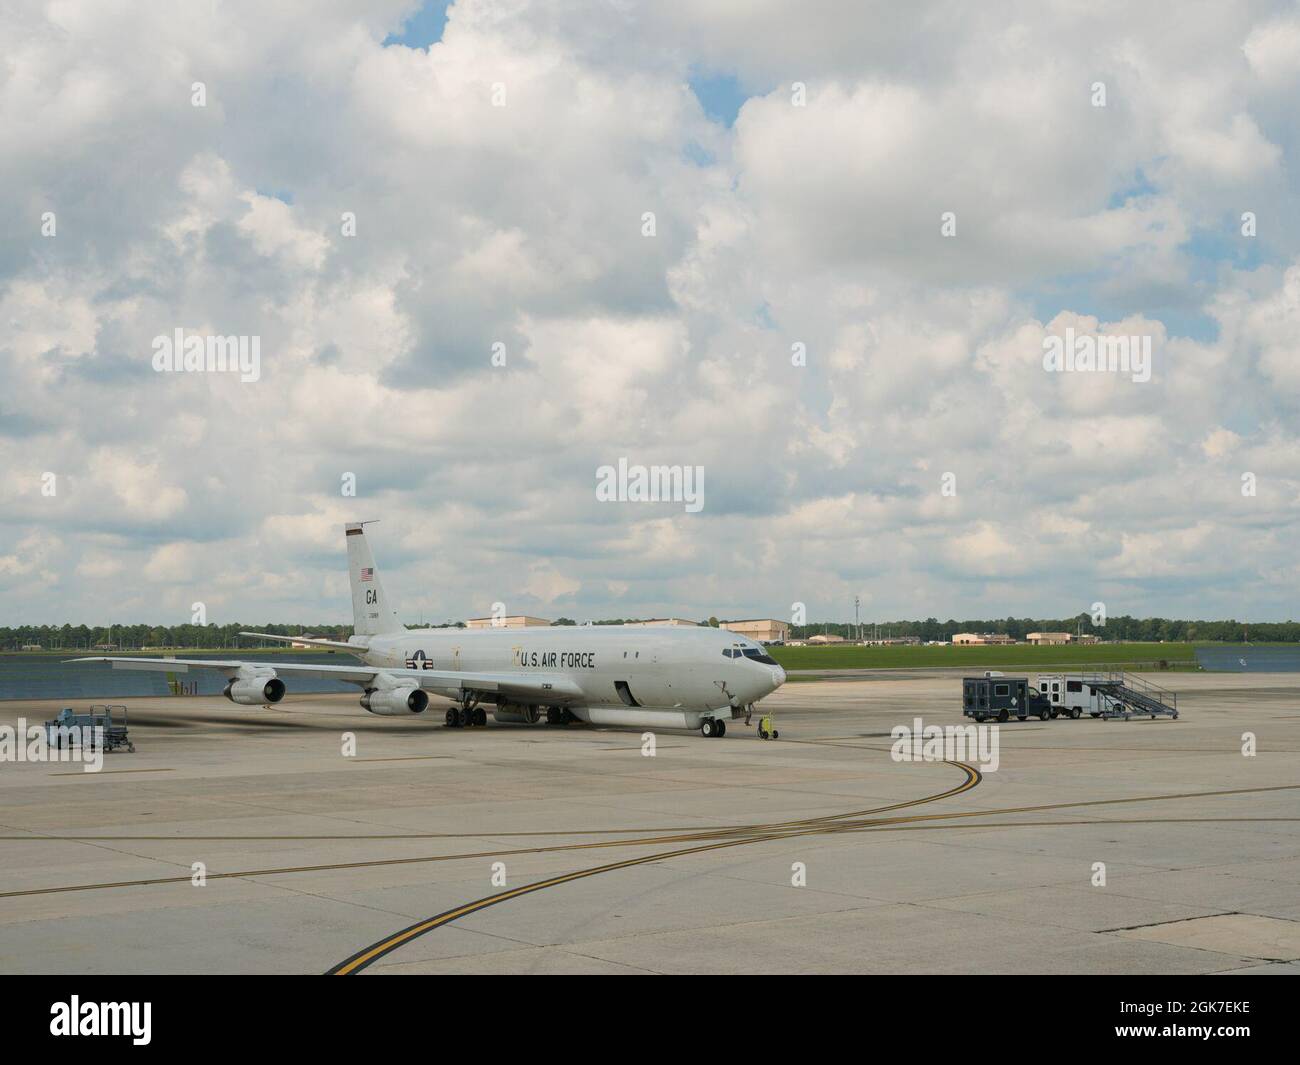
(758, 655)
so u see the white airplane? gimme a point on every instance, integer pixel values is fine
(671, 677)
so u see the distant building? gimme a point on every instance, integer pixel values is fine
(764, 630)
(661, 622)
(826, 637)
(518, 621)
(1057, 638)
(893, 641)
(980, 639)
(31, 647)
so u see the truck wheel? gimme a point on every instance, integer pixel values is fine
(980, 718)
(1003, 715)
(1076, 713)
(1046, 715)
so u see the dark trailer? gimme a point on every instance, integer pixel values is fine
(1002, 698)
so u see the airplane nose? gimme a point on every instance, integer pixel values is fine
(778, 677)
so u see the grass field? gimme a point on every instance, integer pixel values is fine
(1016, 656)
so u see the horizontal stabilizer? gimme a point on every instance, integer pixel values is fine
(361, 643)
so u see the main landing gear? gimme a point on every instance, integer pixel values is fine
(467, 715)
(711, 727)
(558, 715)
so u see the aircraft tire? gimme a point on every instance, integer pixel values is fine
(707, 729)
(462, 718)
(450, 720)
(480, 717)
(722, 727)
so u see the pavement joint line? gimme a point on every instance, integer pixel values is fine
(399, 758)
(290, 889)
(525, 948)
(1037, 922)
(108, 772)
(1158, 924)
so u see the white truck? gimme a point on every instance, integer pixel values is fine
(1071, 694)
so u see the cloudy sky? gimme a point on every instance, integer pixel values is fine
(1094, 162)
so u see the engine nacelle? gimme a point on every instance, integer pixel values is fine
(396, 702)
(517, 713)
(253, 691)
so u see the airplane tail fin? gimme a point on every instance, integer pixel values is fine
(372, 611)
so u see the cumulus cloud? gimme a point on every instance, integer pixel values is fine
(480, 270)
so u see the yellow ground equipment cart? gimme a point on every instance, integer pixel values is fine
(766, 730)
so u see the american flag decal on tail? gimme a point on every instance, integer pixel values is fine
(367, 573)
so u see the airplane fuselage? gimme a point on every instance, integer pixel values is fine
(677, 669)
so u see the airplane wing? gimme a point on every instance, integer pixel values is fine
(542, 687)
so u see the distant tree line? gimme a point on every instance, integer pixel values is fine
(137, 637)
(1124, 628)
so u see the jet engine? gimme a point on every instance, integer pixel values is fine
(253, 691)
(395, 702)
(517, 713)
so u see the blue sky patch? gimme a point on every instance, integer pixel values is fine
(423, 27)
(720, 95)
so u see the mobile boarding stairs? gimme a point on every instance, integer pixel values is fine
(1123, 695)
